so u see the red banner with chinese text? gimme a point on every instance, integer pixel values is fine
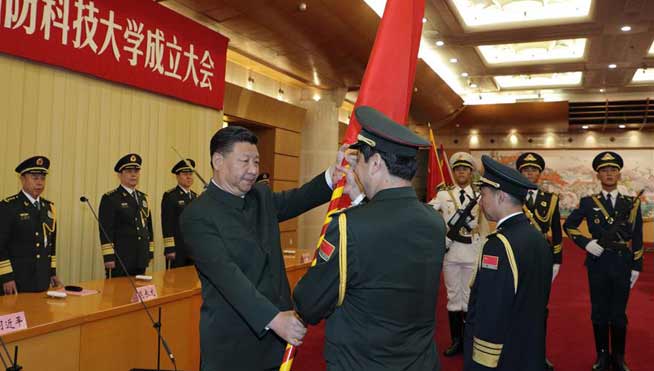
(137, 43)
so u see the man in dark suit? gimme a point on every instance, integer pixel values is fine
(125, 216)
(506, 314)
(174, 201)
(542, 210)
(614, 257)
(28, 233)
(377, 273)
(232, 231)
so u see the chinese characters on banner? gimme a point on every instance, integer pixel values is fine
(138, 43)
(12, 322)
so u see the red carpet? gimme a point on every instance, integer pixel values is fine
(570, 335)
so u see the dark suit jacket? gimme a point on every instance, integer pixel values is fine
(173, 202)
(237, 251)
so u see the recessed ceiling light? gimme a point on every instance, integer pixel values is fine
(539, 80)
(622, 126)
(534, 52)
(454, 60)
(440, 43)
(625, 28)
(473, 85)
(613, 65)
(602, 90)
(643, 75)
(316, 97)
(584, 127)
(464, 74)
(424, 20)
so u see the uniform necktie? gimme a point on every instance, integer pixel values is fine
(37, 204)
(530, 199)
(610, 202)
(135, 197)
(462, 196)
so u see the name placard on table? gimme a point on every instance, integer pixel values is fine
(12, 322)
(146, 293)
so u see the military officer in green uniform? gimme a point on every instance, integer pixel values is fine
(125, 216)
(378, 268)
(506, 314)
(28, 233)
(232, 230)
(172, 204)
(542, 210)
(614, 257)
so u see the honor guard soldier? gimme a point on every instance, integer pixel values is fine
(542, 210)
(459, 204)
(28, 233)
(510, 290)
(614, 257)
(172, 204)
(125, 216)
(378, 267)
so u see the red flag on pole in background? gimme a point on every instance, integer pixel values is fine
(445, 165)
(387, 86)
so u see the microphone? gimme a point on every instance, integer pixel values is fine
(155, 324)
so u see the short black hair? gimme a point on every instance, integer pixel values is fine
(400, 166)
(224, 139)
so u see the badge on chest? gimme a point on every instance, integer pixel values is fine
(490, 262)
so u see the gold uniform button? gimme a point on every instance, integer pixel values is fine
(36, 233)
(38, 256)
(139, 238)
(38, 244)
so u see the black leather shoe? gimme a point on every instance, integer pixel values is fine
(602, 362)
(455, 348)
(548, 365)
(618, 363)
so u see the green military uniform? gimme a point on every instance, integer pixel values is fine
(127, 220)
(377, 271)
(28, 236)
(236, 247)
(510, 290)
(174, 201)
(542, 210)
(610, 273)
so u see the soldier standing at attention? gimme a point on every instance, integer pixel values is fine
(614, 257)
(378, 267)
(542, 210)
(28, 233)
(463, 245)
(172, 204)
(125, 216)
(511, 287)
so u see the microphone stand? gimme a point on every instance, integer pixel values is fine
(13, 365)
(155, 324)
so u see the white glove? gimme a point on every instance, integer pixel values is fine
(594, 248)
(555, 271)
(634, 278)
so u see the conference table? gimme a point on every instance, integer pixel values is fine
(108, 330)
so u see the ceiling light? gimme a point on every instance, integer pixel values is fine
(473, 85)
(424, 20)
(539, 80)
(625, 28)
(613, 65)
(584, 127)
(651, 49)
(302, 7)
(316, 97)
(440, 43)
(602, 90)
(464, 74)
(507, 13)
(534, 52)
(454, 60)
(513, 139)
(622, 126)
(643, 75)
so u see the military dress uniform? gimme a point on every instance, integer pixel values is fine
(174, 201)
(609, 274)
(28, 235)
(377, 271)
(127, 220)
(510, 289)
(542, 210)
(462, 253)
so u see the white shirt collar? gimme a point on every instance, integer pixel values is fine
(507, 217)
(186, 191)
(129, 190)
(614, 193)
(32, 199)
(533, 192)
(467, 189)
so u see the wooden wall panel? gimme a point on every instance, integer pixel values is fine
(287, 142)
(84, 125)
(289, 240)
(286, 168)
